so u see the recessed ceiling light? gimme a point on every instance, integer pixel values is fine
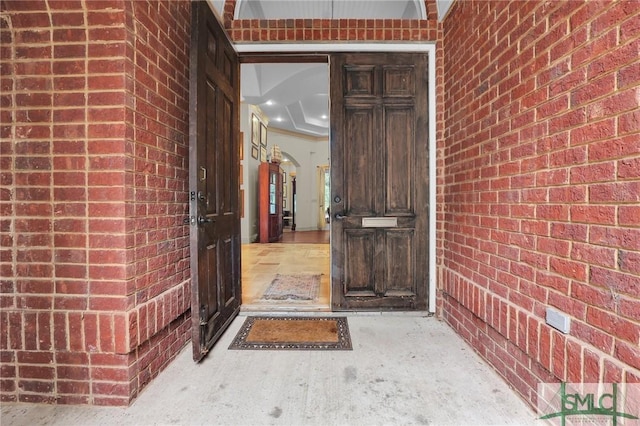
(269, 102)
(324, 116)
(278, 118)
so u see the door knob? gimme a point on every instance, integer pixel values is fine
(340, 216)
(203, 220)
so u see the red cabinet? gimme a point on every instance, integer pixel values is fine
(270, 202)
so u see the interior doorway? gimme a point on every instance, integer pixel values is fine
(324, 197)
(292, 99)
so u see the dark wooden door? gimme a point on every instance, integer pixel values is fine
(213, 180)
(379, 181)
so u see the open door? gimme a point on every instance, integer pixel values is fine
(214, 124)
(379, 177)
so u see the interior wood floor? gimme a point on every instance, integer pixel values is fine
(306, 252)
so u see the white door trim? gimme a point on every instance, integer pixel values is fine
(427, 47)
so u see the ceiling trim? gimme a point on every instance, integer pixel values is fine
(309, 137)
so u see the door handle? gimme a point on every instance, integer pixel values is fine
(204, 220)
(340, 216)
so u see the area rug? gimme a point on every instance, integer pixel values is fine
(293, 287)
(293, 333)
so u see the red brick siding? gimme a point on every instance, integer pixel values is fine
(338, 30)
(94, 256)
(313, 30)
(542, 143)
(94, 184)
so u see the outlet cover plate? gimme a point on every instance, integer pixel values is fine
(558, 320)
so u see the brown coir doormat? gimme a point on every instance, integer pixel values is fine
(301, 333)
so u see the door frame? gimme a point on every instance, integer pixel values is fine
(430, 49)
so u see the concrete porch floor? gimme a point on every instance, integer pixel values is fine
(404, 369)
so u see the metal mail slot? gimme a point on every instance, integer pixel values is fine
(379, 222)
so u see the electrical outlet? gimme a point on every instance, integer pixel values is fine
(558, 320)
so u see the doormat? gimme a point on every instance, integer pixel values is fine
(293, 333)
(294, 287)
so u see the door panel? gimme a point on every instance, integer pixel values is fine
(400, 267)
(360, 198)
(213, 180)
(359, 280)
(400, 147)
(379, 155)
(398, 80)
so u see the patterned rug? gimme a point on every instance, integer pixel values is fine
(293, 333)
(293, 288)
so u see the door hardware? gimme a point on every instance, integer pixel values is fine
(202, 220)
(201, 196)
(203, 315)
(337, 199)
(203, 174)
(340, 216)
(379, 222)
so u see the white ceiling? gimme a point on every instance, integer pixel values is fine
(295, 97)
(330, 9)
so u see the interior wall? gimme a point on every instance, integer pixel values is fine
(310, 153)
(94, 260)
(250, 224)
(542, 176)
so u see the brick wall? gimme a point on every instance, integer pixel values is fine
(94, 260)
(338, 30)
(94, 140)
(542, 187)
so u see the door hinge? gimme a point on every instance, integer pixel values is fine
(203, 338)
(203, 329)
(203, 316)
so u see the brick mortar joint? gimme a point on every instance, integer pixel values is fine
(603, 356)
(181, 288)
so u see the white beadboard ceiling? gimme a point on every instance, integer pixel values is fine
(330, 9)
(295, 97)
(310, 9)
